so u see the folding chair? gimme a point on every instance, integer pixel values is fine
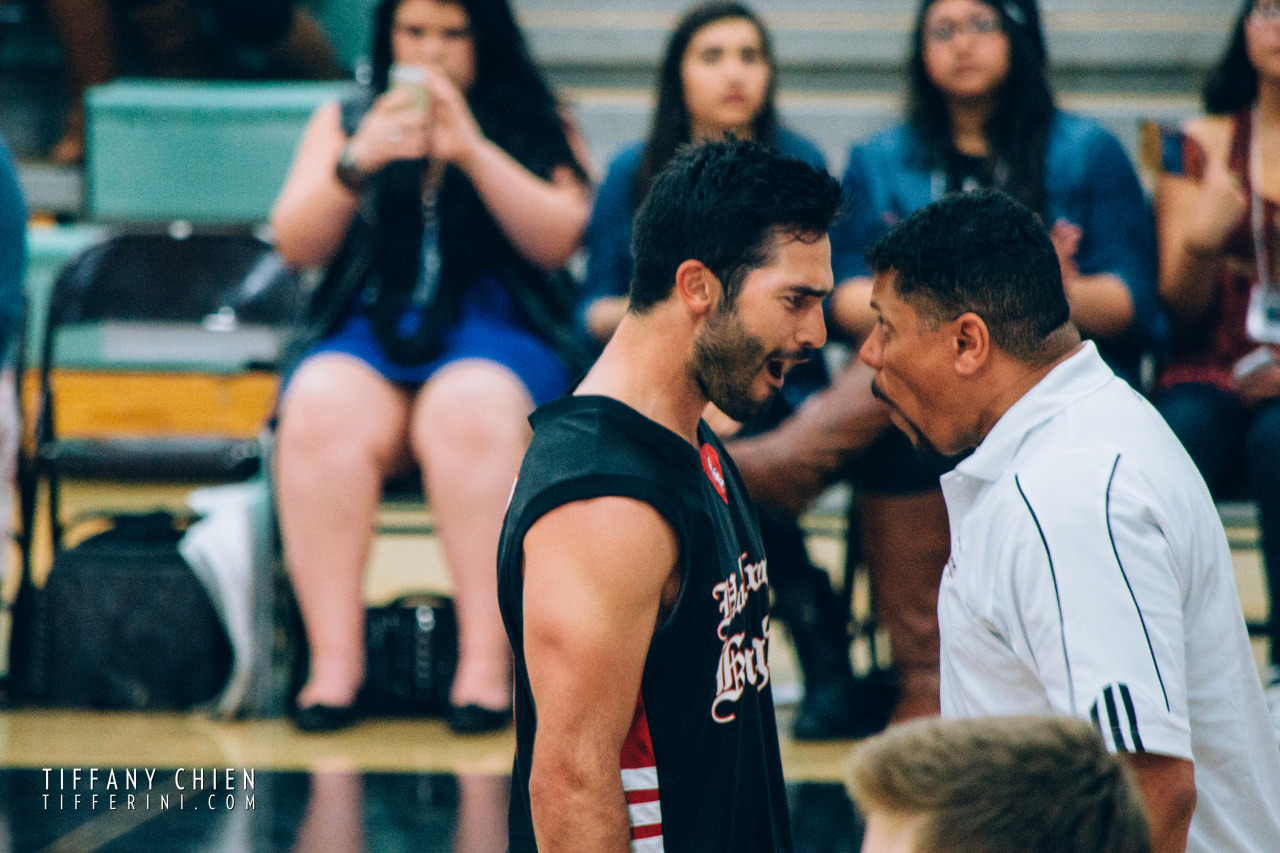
(212, 304)
(130, 320)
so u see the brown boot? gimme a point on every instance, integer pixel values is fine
(907, 542)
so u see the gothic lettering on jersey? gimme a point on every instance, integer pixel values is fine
(743, 658)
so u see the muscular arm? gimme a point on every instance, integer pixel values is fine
(1168, 788)
(596, 573)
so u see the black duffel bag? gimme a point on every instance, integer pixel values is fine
(412, 654)
(124, 623)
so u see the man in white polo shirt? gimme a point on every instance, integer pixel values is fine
(1089, 574)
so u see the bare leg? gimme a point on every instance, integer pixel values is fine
(86, 32)
(907, 542)
(482, 814)
(343, 428)
(334, 820)
(470, 431)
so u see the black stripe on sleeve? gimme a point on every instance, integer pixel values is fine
(1141, 620)
(1113, 717)
(1133, 717)
(1062, 625)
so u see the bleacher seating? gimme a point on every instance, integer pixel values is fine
(202, 152)
(216, 153)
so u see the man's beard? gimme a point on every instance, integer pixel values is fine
(924, 448)
(726, 361)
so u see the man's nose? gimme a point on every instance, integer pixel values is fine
(814, 332)
(871, 351)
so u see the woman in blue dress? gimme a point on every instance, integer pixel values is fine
(443, 205)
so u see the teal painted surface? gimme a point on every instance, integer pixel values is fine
(48, 250)
(199, 151)
(349, 25)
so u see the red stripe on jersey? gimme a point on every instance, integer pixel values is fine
(639, 833)
(640, 778)
(637, 749)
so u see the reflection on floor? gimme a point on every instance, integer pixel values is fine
(148, 809)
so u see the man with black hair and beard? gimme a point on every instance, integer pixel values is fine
(631, 575)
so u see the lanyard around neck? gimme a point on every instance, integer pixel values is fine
(1260, 253)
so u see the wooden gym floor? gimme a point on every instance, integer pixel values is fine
(387, 784)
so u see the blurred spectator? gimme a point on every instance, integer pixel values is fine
(1220, 389)
(196, 39)
(13, 264)
(443, 209)
(719, 76)
(993, 785)
(981, 114)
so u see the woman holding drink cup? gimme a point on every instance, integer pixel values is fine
(1216, 215)
(444, 202)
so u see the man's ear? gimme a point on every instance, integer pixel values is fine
(972, 341)
(698, 287)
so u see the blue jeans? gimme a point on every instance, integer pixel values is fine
(1237, 449)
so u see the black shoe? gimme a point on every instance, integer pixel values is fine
(325, 718)
(477, 720)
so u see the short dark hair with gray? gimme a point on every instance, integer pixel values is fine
(725, 203)
(982, 252)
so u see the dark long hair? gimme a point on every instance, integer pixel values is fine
(1018, 130)
(516, 110)
(1232, 85)
(671, 125)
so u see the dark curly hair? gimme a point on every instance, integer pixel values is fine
(722, 203)
(982, 252)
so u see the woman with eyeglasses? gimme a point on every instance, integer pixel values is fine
(1216, 218)
(979, 114)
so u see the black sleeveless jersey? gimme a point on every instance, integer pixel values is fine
(700, 767)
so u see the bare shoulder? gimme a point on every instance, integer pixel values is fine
(624, 533)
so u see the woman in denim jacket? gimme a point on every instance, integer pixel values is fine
(980, 114)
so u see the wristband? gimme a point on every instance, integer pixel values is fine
(348, 171)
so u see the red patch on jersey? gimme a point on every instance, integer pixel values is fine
(711, 464)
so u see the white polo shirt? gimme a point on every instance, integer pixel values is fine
(1090, 576)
